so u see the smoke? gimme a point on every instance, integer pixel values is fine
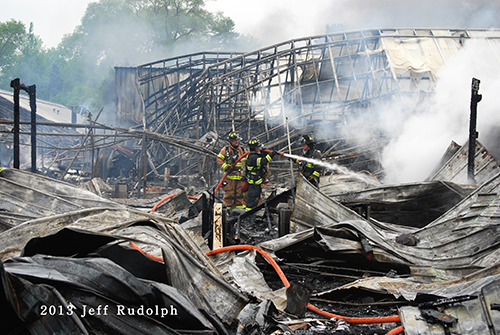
(276, 21)
(420, 129)
(360, 14)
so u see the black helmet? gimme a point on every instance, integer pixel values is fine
(234, 136)
(307, 139)
(253, 143)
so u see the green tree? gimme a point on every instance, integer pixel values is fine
(132, 32)
(80, 71)
(22, 56)
(12, 39)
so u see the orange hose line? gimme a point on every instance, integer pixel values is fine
(147, 254)
(225, 174)
(160, 202)
(395, 331)
(166, 198)
(260, 251)
(357, 320)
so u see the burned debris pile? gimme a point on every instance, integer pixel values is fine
(302, 262)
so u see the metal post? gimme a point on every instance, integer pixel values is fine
(91, 133)
(144, 162)
(284, 221)
(473, 134)
(16, 84)
(32, 94)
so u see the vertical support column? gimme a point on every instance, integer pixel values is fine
(284, 221)
(144, 162)
(32, 94)
(473, 134)
(218, 231)
(16, 85)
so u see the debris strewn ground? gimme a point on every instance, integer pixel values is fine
(75, 262)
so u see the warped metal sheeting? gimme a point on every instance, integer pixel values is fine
(107, 234)
(453, 165)
(467, 236)
(412, 204)
(27, 196)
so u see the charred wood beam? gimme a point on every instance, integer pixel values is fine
(31, 90)
(15, 84)
(474, 100)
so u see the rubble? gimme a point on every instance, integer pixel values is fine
(370, 259)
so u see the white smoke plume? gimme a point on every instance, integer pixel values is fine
(276, 21)
(420, 138)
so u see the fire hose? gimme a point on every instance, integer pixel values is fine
(281, 275)
(284, 280)
(166, 198)
(227, 172)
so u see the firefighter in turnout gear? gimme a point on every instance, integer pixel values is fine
(256, 172)
(233, 198)
(309, 170)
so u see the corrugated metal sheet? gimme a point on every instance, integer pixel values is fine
(474, 316)
(413, 204)
(88, 232)
(455, 168)
(27, 196)
(467, 236)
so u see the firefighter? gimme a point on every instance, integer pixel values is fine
(256, 172)
(233, 198)
(310, 171)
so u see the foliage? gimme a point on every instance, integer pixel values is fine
(80, 71)
(12, 39)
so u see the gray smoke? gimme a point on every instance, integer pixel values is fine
(421, 128)
(281, 20)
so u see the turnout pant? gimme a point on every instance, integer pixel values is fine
(254, 196)
(232, 190)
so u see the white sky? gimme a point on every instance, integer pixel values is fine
(273, 21)
(52, 19)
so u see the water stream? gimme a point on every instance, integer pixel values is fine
(333, 167)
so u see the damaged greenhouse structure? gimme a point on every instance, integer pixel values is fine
(121, 230)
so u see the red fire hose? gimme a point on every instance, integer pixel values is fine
(357, 320)
(395, 331)
(225, 174)
(166, 198)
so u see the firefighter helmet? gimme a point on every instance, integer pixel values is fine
(254, 143)
(307, 139)
(234, 136)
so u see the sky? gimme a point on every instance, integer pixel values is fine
(52, 19)
(274, 21)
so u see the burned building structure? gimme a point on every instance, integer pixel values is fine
(309, 85)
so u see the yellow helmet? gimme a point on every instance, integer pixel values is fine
(234, 136)
(254, 143)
